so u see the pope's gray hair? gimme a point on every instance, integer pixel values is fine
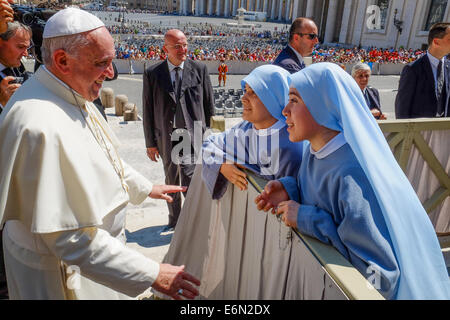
(70, 44)
(360, 67)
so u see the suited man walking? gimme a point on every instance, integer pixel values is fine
(176, 94)
(14, 44)
(424, 87)
(303, 37)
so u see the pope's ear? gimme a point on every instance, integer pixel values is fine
(61, 61)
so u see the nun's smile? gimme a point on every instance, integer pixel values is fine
(301, 124)
(254, 110)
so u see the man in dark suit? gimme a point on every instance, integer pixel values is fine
(303, 36)
(176, 94)
(424, 87)
(361, 72)
(14, 44)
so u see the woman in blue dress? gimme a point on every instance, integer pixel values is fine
(350, 191)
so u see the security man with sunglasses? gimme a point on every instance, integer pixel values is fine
(303, 37)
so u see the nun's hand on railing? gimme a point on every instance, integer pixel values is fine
(289, 212)
(237, 177)
(272, 195)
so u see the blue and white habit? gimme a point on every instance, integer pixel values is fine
(354, 196)
(267, 152)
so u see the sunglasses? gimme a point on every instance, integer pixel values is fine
(311, 36)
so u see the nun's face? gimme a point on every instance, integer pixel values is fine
(255, 111)
(300, 122)
(93, 64)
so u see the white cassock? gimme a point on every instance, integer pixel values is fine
(63, 193)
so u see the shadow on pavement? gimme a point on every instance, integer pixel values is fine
(149, 237)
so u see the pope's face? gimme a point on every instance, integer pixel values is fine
(300, 122)
(93, 64)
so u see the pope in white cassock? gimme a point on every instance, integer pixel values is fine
(63, 187)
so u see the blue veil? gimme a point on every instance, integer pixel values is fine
(270, 84)
(336, 102)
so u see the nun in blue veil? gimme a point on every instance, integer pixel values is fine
(260, 142)
(351, 193)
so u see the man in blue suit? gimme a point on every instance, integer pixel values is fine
(424, 87)
(303, 36)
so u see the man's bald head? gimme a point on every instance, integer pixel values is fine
(175, 45)
(173, 35)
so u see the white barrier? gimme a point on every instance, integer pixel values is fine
(123, 66)
(137, 66)
(391, 68)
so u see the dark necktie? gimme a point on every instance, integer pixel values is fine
(179, 117)
(440, 89)
(7, 72)
(302, 65)
(177, 82)
(366, 96)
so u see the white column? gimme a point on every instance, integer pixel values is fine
(295, 10)
(204, 6)
(218, 7)
(181, 8)
(345, 21)
(266, 2)
(197, 7)
(274, 7)
(309, 9)
(211, 7)
(280, 11)
(331, 21)
(226, 11)
(251, 5)
(235, 7)
(288, 10)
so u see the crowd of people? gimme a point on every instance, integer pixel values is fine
(259, 49)
(249, 50)
(370, 55)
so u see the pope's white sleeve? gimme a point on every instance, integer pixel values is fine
(139, 187)
(104, 259)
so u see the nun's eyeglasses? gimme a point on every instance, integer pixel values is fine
(311, 36)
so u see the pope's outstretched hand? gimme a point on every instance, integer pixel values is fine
(175, 282)
(161, 192)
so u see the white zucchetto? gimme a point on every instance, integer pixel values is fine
(71, 21)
